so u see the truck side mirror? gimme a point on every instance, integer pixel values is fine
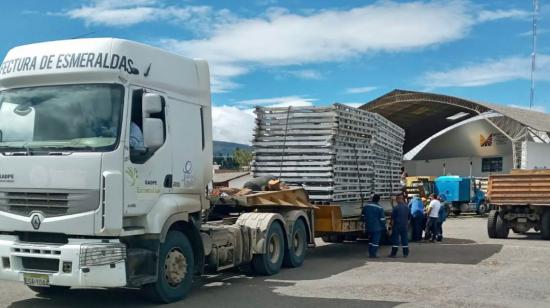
(152, 103)
(153, 133)
(153, 128)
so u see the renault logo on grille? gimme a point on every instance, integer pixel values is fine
(36, 221)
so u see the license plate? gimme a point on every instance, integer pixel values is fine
(36, 280)
(522, 219)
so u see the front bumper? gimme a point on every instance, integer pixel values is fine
(18, 258)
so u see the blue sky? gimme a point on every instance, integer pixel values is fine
(278, 53)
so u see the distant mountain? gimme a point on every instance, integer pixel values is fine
(223, 148)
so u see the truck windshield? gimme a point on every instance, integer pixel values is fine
(61, 118)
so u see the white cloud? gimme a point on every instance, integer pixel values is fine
(281, 38)
(530, 32)
(235, 46)
(539, 108)
(306, 74)
(225, 119)
(489, 72)
(128, 13)
(284, 101)
(360, 90)
(486, 15)
(354, 105)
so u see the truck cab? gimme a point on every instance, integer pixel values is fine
(105, 159)
(103, 143)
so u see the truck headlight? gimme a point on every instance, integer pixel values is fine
(101, 254)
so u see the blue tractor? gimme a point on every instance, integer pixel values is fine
(461, 194)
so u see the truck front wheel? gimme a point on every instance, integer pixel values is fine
(545, 225)
(297, 246)
(175, 269)
(269, 263)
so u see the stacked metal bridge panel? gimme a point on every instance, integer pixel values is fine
(338, 153)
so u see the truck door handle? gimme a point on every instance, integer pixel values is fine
(168, 181)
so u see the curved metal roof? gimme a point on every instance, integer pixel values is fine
(422, 115)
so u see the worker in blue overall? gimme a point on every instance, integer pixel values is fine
(375, 224)
(400, 224)
(417, 218)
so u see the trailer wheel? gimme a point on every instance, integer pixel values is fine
(297, 246)
(269, 263)
(492, 224)
(51, 290)
(501, 227)
(545, 225)
(175, 270)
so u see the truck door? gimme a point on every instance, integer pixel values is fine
(148, 171)
(187, 128)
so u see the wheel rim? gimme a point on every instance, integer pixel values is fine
(175, 267)
(274, 248)
(298, 244)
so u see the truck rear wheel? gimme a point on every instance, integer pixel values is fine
(482, 208)
(545, 225)
(51, 290)
(269, 263)
(297, 246)
(492, 224)
(501, 227)
(175, 269)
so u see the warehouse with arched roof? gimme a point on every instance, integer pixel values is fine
(452, 135)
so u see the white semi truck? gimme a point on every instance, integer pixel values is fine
(105, 159)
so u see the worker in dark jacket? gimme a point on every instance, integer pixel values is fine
(400, 224)
(375, 222)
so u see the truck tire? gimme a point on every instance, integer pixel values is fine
(297, 246)
(501, 227)
(175, 270)
(482, 209)
(269, 263)
(51, 290)
(492, 224)
(545, 225)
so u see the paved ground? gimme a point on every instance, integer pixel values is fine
(466, 270)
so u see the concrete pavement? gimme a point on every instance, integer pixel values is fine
(467, 270)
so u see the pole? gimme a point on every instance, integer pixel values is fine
(534, 53)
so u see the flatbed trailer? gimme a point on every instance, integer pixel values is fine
(521, 201)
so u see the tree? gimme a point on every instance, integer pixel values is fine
(242, 157)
